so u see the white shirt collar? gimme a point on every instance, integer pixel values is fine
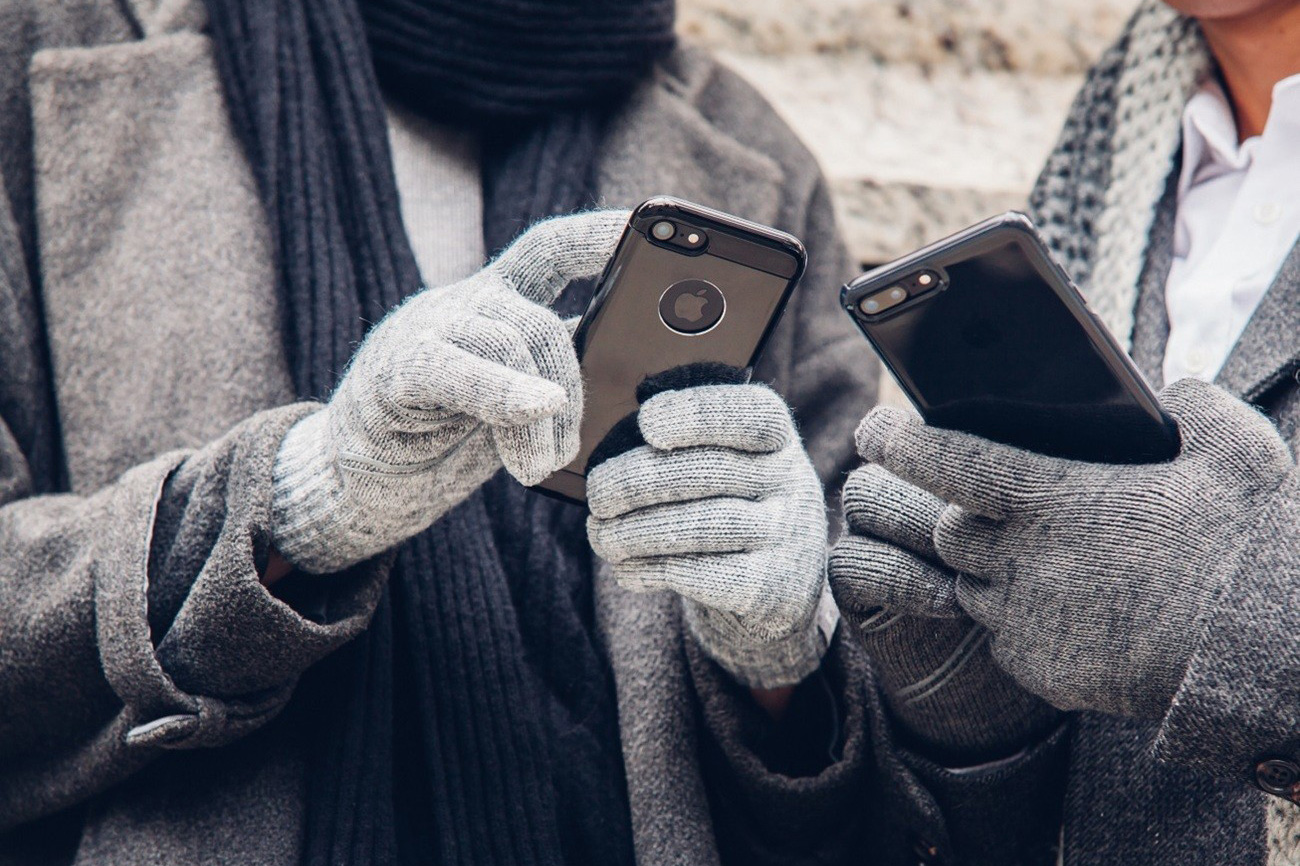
(1210, 146)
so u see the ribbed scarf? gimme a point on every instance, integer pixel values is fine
(474, 721)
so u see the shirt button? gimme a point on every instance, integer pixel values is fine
(1277, 776)
(1267, 212)
(1195, 360)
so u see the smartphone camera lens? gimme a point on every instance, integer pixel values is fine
(881, 301)
(663, 230)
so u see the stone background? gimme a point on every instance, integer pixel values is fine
(927, 115)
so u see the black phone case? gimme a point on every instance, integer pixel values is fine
(1002, 345)
(625, 334)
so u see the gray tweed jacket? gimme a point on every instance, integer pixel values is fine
(137, 309)
(1184, 789)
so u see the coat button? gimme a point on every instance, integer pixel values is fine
(1277, 776)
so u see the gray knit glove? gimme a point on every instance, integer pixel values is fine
(722, 506)
(932, 661)
(1095, 580)
(450, 386)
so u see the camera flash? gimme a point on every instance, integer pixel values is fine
(925, 279)
(693, 238)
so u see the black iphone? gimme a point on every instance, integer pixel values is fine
(986, 334)
(686, 285)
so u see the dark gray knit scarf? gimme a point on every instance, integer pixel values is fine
(474, 722)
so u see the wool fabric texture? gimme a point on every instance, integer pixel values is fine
(434, 735)
(1146, 77)
(504, 60)
(722, 506)
(935, 669)
(1098, 220)
(452, 385)
(1071, 565)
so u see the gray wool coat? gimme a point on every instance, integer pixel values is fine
(137, 307)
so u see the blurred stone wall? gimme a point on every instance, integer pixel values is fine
(926, 115)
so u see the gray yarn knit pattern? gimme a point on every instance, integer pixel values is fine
(450, 386)
(1136, 107)
(723, 507)
(1095, 579)
(1283, 833)
(933, 661)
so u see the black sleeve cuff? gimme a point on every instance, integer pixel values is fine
(1003, 813)
(794, 791)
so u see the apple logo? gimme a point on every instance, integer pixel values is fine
(692, 306)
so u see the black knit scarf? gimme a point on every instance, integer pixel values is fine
(474, 721)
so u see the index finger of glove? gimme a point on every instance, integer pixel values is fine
(548, 341)
(555, 252)
(750, 418)
(867, 575)
(443, 378)
(645, 477)
(543, 333)
(985, 477)
(878, 503)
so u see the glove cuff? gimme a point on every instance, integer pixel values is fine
(956, 704)
(306, 494)
(761, 664)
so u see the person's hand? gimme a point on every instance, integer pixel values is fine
(450, 386)
(1094, 579)
(932, 661)
(721, 506)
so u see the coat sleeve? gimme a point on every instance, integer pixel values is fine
(1237, 711)
(133, 620)
(795, 791)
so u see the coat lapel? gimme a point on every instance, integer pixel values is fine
(1269, 349)
(155, 267)
(660, 144)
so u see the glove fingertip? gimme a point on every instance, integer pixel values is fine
(878, 428)
(538, 400)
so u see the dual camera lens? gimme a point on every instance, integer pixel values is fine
(910, 286)
(687, 237)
